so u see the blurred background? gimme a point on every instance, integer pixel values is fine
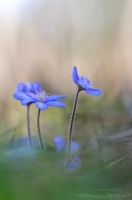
(42, 41)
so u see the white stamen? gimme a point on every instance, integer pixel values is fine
(41, 96)
(89, 85)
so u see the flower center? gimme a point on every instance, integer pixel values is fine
(41, 96)
(87, 82)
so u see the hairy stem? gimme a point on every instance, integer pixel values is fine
(39, 132)
(28, 125)
(71, 126)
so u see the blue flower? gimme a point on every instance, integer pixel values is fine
(28, 87)
(40, 98)
(61, 146)
(84, 83)
(21, 147)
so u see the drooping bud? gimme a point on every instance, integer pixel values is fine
(59, 143)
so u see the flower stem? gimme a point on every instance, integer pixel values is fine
(71, 126)
(28, 125)
(39, 132)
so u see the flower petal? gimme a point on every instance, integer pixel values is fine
(86, 80)
(54, 97)
(41, 106)
(93, 92)
(37, 87)
(75, 163)
(29, 87)
(81, 83)
(32, 95)
(74, 75)
(20, 96)
(59, 143)
(56, 103)
(74, 147)
(20, 87)
(27, 100)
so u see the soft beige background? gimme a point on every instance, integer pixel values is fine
(42, 41)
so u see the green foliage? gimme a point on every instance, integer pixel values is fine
(106, 163)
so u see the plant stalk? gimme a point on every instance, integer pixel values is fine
(71, 126)
(28, 125)
(39, 132)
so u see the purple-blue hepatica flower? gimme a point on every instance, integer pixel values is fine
(84, 83)
(38, 96)
(28, 87)
(21, 147)
(60, 146)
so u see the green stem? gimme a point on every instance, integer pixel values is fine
(28, 125)
(39, 132)
(71, 126)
